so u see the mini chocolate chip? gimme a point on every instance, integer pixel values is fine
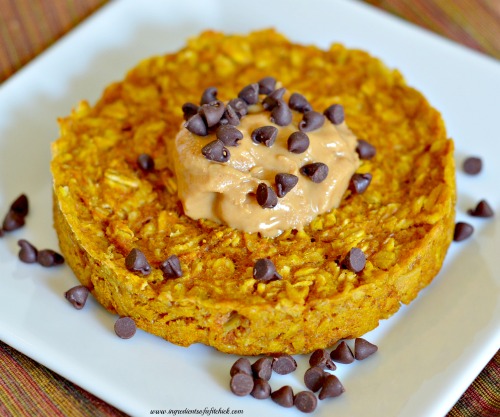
(311, 120)
(342, 354)
(125, 327)
(321, 358)
(281, 114)
(316, 172)
(360, 182)
(197, 125)
(265, 134)
(332, 387)
(230, 117)
(189, 109)
(283, 396)
(136, 262)
(171, 268)
(28, 253)
(241, 384)
(12, 221)
(261, 389)
(212, 112)
(473, 165)
(363, 349)
(266, 197)
(365, 150)
(216, 151)
(285, 183)
(305, 401)
(228, 135)
(241, 365)
(355, 260)
(462, 231)
(239, 105)
(267, 85)
(298, 142)
(20, 205)
(250, 93)
(48, 258)
(262, 368)
(264, 270)
(299, 103)
(271, 100)
(335, 113)
(145, 162)
(77, 296)
(483, 209)
(284, 364)
(314, 377)
(209, 95)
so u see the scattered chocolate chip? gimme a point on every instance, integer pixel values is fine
(266, 197)
(272, 98)
(136, 262)
(299, 103)
(363, 349)
(77, 296)
(305, 401)
(360, 182)
(48, 258)
(262, 368)
(365, 150)
(298, 142)
(216, 151)
(209, 95)
(314, 377)
(241, 384)
(473, 165)
(125, 327)
(241, 365)
(265, 134)
(284, 364)
(250, 94)
(316, 172)
(197, 125)
(189, 109)
(239, 105)
(228, 135)
(283, 396)
(321, 358)
(171, 268)
(28, 253)
(145, 162)
(483, 209)
(342, 354)
(355, 260)
(20, 205)
(311, 120)
(264, 270)
(335, 113)
(12, 221)
(281, 114)
(230, 117)
(285, 183)
(332, 387)
(462, 231)
(267, 85)
(212, 112)
(261, 389)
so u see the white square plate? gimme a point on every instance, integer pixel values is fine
(428, 353)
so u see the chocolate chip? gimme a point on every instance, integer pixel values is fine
(264, 270)
(189, 109)
(355, 260)
(305, 401)
(228, 135)
(267, 85)
(283, 396)
(285, 183)
(77, 296)
(48, 258)
(212, 112)
(145, 162)
(262, 368)
(20, 205)
(250, 93)
(365, 150)
(266, 197)
(197, 125)
(360, 182)
(261, 389)
(363, 349)
(342, 354)
(321, 358)
(125, 327)
(265, 134)
(136, 262)
(462, 231)
(335, 113)
(171, 268)
(12, 221)
(473, 165)
(230, 117)
(298, 142)
(299, 103)
(241, 365)
(284, 364)
(209, 95)
(216, 151)
(28, 253)
(483, 209)
(281, 114)
(316, 172)
(239, 105)
(314, 377)
(332, 387)
(272, 98)
(241, 384)
(311, 120)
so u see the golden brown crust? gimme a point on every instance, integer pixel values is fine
(105, 206)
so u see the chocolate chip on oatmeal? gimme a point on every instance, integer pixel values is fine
(209, 95)
(355, 260)
(314, 377)
(342, 354)
(20, 205)
(12, 221)
(28, 253)
(239, 105)
(272, 98)
(281, 114)
(365, 149)
(264, 270)
(311, 120)
(241, 365)
(49, 257)
(230, 117)
(189, 109)
(261, 389)
(462, 231)
(216, 151)
(136, 262)
(228, 135)
(197, 125)
(284, 364)
(145, 162)
(360, 182)
(212, 112)
(262, 368)
(332, 387)
(321, 358)
(482, 209)
(266, 197)
(473, 165)
(283, 396)
(265, 134)
(285, 183)
(305, 401)
(299, 103)
(267, 85)
(335, 113)
(77, 296)
(125, 327)
(241, 384)
(363, 348)
(250, 94)
(298, 142)
(171, 267)
(316, 172)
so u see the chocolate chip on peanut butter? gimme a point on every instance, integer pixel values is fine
(266, 197)
(197, 125)
(49, 257)
(365, 150)
(311, 120)
(209, 95)
(342, 354)
(28, 253)
(250, 94)
(216, 151)
(482, 209)
(228, 135)
(462, 231)
(281, 114)
(299, 103)
(316, 172)
(189, 109)
(171, 267)
(285, 183)
(272, 98)
(239, 105)
(264, 270)
(77, 296)
(360, 182)
(266, 135)
(332, 387)
(212, 112)
(267, 85)
(230, 117)
(283, 396)
(125, 327)
(363, 348)
(335, 113)
(146, 162)
(355, 260)
(305, 401)
(298, 142)
(136, 262)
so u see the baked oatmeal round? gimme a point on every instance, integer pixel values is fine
(106, 205)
